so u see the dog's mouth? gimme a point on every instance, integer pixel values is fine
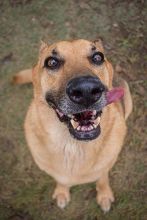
(85, 125)
(82, 125)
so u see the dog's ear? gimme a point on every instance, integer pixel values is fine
(99, 44)
(43, 46)
(110, 72)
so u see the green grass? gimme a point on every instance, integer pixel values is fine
(25, 191)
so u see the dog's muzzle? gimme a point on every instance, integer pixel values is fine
(81, 105)
(84, 92)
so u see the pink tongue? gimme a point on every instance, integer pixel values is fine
(114, 95)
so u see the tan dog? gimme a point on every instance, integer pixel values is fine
(72, 132)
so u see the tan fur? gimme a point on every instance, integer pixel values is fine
(128, 104)
(67, 160)
(24, 76)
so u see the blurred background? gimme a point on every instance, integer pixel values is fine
(25, 191)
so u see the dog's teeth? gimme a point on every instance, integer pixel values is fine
(97, 121)
(94, 125)
(94, 112)
(74, 123)
(70, 116)
(79, 128)
(85, 128)
(99, 118)
(82, 128)
(90, 127)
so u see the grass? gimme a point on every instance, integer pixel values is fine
(25, 192)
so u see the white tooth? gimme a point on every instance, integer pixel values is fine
(70, 116)
(84, 128)
(74, 123)
(94, 112)
(97, 121)
(90, 127)
(79, 128)
(94, 125)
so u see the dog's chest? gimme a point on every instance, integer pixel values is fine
(74, 164)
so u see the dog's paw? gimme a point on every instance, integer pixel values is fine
(62, 199)
(105, 200)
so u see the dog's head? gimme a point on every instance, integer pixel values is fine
(74, 78)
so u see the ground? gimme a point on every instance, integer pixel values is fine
(25, 191)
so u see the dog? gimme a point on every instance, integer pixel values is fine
(76, 123)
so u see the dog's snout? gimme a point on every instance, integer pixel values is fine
(85, 90)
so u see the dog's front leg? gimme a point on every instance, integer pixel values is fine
(62, 195)
(104, 193)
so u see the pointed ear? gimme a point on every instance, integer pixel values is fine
(99, 44)
(43, 46)
(110, 72)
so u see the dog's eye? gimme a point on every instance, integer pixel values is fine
(97, 58)
(52, 63)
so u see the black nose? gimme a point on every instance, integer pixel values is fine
(85, 90)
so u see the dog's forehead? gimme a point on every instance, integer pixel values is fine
(84, 44)
(73, 47)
